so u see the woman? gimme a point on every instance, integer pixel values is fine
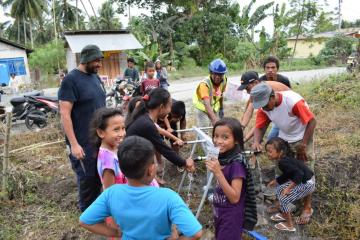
(141, 122)
(161, 74)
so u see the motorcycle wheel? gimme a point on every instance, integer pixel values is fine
(34, 125)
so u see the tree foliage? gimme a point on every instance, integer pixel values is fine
(336, 48)
(49, 58)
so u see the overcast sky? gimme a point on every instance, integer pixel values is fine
(350, 10)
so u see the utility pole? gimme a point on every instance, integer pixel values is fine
(339, 26)
(129, 11)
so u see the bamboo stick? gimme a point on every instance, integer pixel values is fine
(6, 154)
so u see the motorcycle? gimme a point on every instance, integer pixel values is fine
(352, 62)
(121, 92)
(21, 107)
(44, 108)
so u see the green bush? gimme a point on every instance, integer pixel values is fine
(336, 48)
(49, 57)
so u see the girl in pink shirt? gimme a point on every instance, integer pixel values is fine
(107, 130)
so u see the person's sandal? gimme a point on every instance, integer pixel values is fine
(277, 218)
(282, 227)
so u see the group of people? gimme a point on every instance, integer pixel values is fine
(117, 158)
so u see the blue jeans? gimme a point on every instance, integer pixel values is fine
(274, 132)
(88, 181)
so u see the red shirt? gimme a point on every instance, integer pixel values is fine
(300, 109)
(148, 84)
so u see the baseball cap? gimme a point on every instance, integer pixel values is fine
(90, 53)
(247, 78)
(261, 95)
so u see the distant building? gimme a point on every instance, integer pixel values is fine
(13, 62)
(312, 45)
(112, 43)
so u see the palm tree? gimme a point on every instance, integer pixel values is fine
(66, 15)
(108, 19)
(3, 27)
(26, 11)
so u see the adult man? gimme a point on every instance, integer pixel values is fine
(208, 97)
(271, 66)
(289, 111)
(249, 80)
(80, 94)
(131, 71)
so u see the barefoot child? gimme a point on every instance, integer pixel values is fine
(140, 210)
(230, 172)
(296, 182)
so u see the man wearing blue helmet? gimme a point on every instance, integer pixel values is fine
(208, 97)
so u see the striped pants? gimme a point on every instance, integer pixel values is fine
(298, 192)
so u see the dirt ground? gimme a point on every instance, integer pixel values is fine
(42, 190)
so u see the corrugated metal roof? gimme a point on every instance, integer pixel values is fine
(106, 42)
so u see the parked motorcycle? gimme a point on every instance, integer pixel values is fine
(121, 92)
(352, 62)
(44, 108)
(21, 106)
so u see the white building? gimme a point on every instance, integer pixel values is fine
(13, 63)
(112, 43)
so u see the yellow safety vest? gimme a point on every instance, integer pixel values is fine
(214, 100)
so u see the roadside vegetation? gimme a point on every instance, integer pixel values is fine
(41, 201)
(188, 34)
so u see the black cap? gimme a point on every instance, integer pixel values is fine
(247, 78)
(90, 53)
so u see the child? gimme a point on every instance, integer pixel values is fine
(134, 103)
(231, 174)
(108, 131)
(141, 211)
(296, 182)
(175, 141)
(150, 82)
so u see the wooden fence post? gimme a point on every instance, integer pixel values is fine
(6, 154)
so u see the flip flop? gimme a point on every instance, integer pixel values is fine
(277, 218)
(282, 227)
(304, 218)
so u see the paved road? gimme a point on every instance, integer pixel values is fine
(183, 89)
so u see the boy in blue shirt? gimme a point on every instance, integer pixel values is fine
(141, 211)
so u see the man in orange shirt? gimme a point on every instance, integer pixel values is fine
(208, 97)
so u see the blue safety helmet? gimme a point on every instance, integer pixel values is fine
(218, 66)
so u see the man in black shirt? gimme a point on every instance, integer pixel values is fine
(271, 66)
(131, 71)
(81, 93)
